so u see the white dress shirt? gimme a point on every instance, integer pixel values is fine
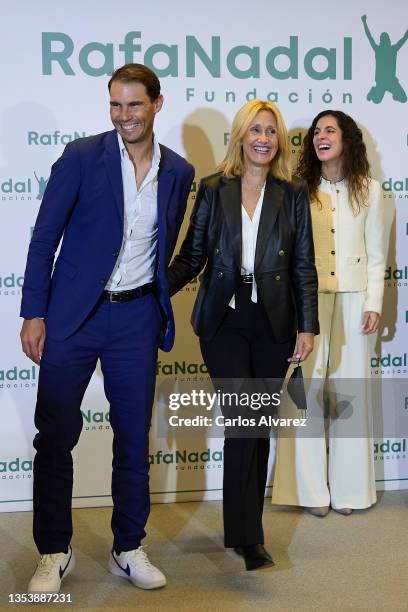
(136, 262)
(249, 237)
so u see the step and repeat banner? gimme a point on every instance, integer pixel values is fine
(211, 58)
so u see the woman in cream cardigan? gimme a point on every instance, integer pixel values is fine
(347, 218)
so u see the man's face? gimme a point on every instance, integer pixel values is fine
(132, 112)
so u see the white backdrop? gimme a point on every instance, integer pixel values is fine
(211, 58)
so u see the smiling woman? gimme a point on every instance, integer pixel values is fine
(328, 141)
(347, 216)
(251, 230)
(260, 141)
(259, 147)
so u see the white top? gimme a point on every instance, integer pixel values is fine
(135, 265)
(249, 237)
(349, 248)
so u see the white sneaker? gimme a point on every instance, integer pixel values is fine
(136, 567)
(51, 570)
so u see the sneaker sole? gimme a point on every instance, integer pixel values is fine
(116, 571)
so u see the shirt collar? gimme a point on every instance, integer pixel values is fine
(156, 150)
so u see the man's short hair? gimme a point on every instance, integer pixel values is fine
(138, 73)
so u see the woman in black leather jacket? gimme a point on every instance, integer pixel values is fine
(250, 230)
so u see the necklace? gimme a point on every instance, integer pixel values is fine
(255, 187)
(338, 180)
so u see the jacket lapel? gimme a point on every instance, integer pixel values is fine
(164, 184)
(272, 202)
(164, 190)
(114, 170)
(230, 199)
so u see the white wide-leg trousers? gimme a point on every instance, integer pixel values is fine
(305, 475)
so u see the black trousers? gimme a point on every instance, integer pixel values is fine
(244, 347)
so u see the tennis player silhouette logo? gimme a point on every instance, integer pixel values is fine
(42, 183)
(385, 66)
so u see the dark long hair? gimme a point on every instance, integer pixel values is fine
(356, 169)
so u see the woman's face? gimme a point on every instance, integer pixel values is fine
(260, 141)
(328, 139)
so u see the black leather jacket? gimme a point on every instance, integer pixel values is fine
(284, 259)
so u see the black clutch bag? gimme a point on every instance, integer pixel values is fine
(296, 389)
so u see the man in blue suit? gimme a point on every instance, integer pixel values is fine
(117, 201)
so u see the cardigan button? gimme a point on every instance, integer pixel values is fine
(333, 252)
(220, 274)
(332, 273)
(333, 231)
(281, 253)
(333, 209)
(277, 277)
(217, 251)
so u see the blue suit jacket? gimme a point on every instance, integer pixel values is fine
(83, 203)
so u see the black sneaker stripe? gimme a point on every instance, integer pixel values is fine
(126, 570)
(62, 571)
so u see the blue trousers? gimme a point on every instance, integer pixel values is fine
(125, 337)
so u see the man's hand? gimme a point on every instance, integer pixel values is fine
(371, 321)
(32, 338)
(304, 346)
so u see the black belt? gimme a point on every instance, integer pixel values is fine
(126, 296)
(247, 278)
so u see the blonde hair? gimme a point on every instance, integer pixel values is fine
(233, 163)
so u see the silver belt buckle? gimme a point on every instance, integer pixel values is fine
(247, 278)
